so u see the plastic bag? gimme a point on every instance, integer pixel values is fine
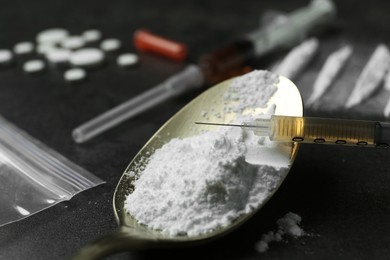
(34, 177)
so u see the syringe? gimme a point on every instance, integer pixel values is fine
(216, 66)
(319, 130)
(230, 60)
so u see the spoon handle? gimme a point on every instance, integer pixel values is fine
(115, 242)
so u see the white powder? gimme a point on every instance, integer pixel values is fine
(387, 87)
(288, 225)
(297, 59)
(386, 111)
(387, 81)
(371, 76)
(251, 91)
(197, 184)
(333, 65)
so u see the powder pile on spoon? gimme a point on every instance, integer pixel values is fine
(198, 184)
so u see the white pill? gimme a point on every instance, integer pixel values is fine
(44, 48)
(23, 48)
(58, 56)
(127, 59)
(54, 35)
(87, 57)
(92, 35)
(6, 57)
(33, 66)
(110, 45)
(73, 42)
(75, 74)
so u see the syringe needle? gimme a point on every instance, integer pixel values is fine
(319, 130)
(220, 124)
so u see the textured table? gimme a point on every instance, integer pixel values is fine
(342, 193)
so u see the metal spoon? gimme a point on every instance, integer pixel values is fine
(132, 236)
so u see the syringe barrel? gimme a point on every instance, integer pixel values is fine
(226, 62)
(329, 131)
(189, 78)
(294, 27)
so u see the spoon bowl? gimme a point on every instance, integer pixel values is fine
(133, 236)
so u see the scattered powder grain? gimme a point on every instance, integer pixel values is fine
(371, 76)
(288, 225)
(197, 184)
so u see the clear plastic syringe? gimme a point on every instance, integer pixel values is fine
(320, 130)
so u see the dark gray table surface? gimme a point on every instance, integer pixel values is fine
(342, 193)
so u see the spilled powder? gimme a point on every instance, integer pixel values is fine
(287, 225)
(198, 184)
